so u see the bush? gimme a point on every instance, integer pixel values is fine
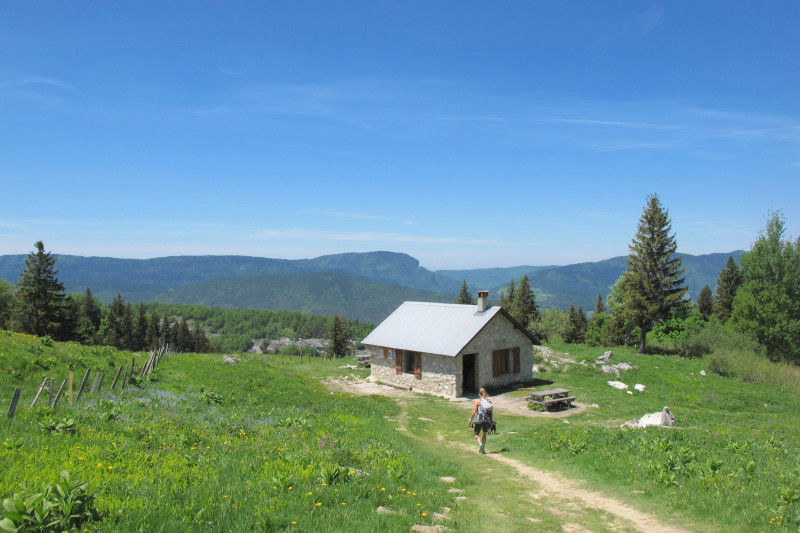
(61, 507)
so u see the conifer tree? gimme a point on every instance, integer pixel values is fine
(464, 296)
(523, 306)
(654, 278)
(338, 338)
(153, 333)
(583, 324)
(599, 307)
(40, 295)
(729, 281)
(507, 299)
(572, 331)
(705, 303)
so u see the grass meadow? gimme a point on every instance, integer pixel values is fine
(263, 446)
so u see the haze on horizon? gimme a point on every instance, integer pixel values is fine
(463, 135)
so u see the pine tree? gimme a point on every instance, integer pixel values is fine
(583, 324)
(40, 295)
(464, 296)
(655, 282)
(729, 281)
(572, 331)
(523, 306)
(507, 299)
(599, 307)
(140, 324)
(705, 303)
(153, 334)
(338, 338)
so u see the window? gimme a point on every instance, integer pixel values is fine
(505, 361)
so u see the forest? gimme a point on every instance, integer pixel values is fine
(38, 305)
(756, 305)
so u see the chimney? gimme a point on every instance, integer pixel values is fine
(483, 300)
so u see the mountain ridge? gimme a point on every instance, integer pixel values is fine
(374, 283)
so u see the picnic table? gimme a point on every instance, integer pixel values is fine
(551, 397)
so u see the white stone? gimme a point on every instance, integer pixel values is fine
(639, 387)
(618, 385)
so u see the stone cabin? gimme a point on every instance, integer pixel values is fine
(450, 349)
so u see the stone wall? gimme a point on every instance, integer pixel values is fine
(439, 373)
(498, 334)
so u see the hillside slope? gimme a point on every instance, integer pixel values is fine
(143, 279)
(324, 293)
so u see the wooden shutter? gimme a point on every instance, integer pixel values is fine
(418, 365)
(515, 351)
(386, 353)
(497, 363)
(398, 361)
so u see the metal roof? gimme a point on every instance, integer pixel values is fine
(438, 328)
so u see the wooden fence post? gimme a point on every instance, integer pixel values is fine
(14, 400)
(58, 394)
(39, 392)
(114, 384)
(69, 389)
(52, 386)
(98, 382)
(83, 384)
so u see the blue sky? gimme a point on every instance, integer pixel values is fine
(467, 134)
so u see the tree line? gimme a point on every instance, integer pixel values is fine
(758, 299)
(39, 305)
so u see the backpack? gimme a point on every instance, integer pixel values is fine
(484, 412)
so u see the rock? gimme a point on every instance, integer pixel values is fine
(629, 392)
(384, 510)
(639, 387)
(662, 418)
(447, 479)
(609, 369)
(230, 360)
(702, 372)
(595, 406)
(618, 385)
(605, 357)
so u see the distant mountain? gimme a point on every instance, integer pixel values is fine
(367, 286)
(144, 279)
(486, 278)
(325, 293)
(581, 283)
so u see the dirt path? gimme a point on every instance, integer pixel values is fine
(550, 485)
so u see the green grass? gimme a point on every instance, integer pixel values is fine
(203, 445)
(733, 460)
(272, 451)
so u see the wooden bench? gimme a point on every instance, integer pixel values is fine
(550, 401)
(547, 398)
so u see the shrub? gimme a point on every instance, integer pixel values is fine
(61, 507)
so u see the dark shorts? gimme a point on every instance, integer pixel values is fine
(483, 426)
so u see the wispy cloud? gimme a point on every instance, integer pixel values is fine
(345, 214)
(28, 80)
(616, 123)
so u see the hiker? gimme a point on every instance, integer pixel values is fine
(481, 419)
